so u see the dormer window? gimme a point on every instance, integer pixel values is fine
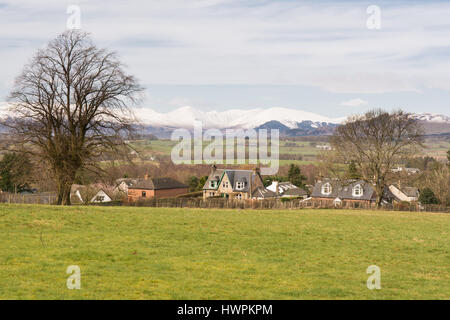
(326, 189)
(358, 191)
(212, 184)
(240, 185)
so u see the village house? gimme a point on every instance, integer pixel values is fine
(155, 187)
(407, 194)
(335, 192)
(287, 190)
(101, 196)
(409, 171)
(94, 193)
(123, 184)
(236, 184)
(324, 147)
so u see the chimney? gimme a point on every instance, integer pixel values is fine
(146, 176)
(399, 185)
(213, 169)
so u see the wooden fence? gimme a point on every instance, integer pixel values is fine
(35, 198)
(221, 203)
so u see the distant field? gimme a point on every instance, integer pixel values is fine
(157, 253)
(306, 150)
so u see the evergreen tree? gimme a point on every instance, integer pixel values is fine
(201, 182)
(192, 183)
(295, 176)
(427, 196)
(14, 172)
(353, 171)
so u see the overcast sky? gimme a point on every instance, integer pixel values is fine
(317, 56)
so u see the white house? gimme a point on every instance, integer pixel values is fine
(101, 196)
(287, 190)
(407, 170)
(324, 147)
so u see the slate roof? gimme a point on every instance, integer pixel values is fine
(410, 192)
(263, 193)
(158, 184)
(288, 189)
(344, 190)
(295, 192)
(246, 176)
(234, 176)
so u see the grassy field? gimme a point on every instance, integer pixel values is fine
(148, 253)
(307, 150)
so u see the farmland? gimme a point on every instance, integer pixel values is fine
(159, 253)
(300, 151)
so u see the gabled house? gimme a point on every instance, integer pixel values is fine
(287, 190)
(236, 184)
(94, 193)
(408, 194)
(123, 184)
(101, 196)
(336, 192)
(156, 187)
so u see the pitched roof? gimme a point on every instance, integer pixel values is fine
(295, 192)
(410, 192)
(263, 193)
(233, 176)
(287, 188)
(129, 181)
(344, 190)
(158, 184)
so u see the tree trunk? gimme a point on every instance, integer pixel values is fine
(65, 181)
(379, 190)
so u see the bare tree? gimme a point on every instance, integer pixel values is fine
(438, 180)
(70, 105)
(375, 142)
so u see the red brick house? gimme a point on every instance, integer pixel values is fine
(156, 187)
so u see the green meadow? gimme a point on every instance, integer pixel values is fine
(159, 253)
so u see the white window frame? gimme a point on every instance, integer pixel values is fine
(240, 185)
(360, 189)
(327, 186)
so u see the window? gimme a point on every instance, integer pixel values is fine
(326, 189)
(239, 196)
(99, 198)
(358, 191)
(144, 194)
(225, 184)
(212, 184)
(240, 185)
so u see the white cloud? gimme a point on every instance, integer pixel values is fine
(354, 103)
(250, 42)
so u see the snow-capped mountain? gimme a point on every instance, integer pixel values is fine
(290, 122)
(432, 117)
(184, 118)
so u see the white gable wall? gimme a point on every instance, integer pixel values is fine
(101, 194)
